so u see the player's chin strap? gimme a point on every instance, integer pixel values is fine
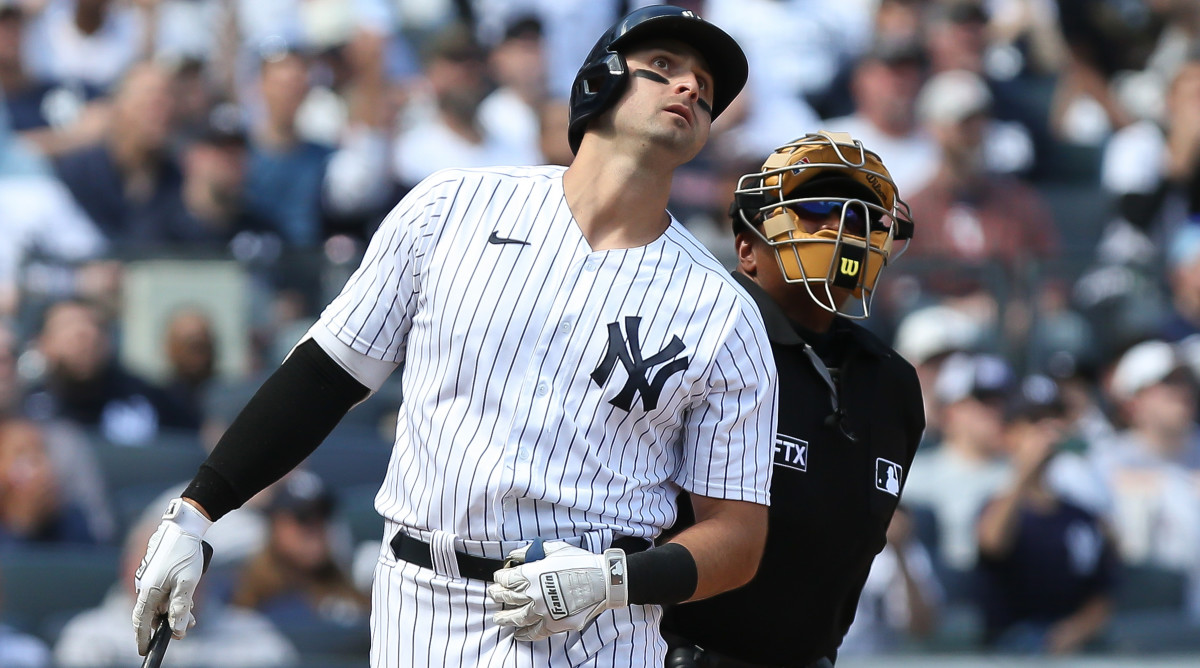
(835, 418)
(658, 78)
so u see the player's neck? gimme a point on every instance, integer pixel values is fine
(617, 201)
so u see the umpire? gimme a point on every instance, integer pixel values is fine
(814, 228)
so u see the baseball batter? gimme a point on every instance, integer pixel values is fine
(573, 358)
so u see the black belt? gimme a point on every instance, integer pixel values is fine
(417, 551)
(691, 656)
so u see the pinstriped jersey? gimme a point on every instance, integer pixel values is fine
(550, 389)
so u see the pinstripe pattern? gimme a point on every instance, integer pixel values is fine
(504, 435)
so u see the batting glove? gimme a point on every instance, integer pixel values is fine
(554, 587)
(168, 574)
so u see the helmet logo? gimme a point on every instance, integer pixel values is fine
(849, 260)
(804, 160)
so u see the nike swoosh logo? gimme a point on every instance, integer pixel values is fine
(497, 239)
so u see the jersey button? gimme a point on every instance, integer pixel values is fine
(542, 389)
(565, 328)
(590, 265)
(523, 454)
(507, 504)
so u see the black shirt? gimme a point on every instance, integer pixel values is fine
(1061, 559)
(835, 486)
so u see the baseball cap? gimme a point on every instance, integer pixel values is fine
(1145, 364)
(303, 495)
(223, 126)
(958, 11)
(952, 97)
(1035, 398)
(895, 51)
(936, 330)
(455, 44)
(980, 376)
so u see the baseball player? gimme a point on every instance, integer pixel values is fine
(814, 230)
(573, 358)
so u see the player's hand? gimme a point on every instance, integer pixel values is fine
(564, 590)
(168, 574)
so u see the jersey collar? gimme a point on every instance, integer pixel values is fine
(781, 331)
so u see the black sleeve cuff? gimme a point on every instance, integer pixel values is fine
(662, 575)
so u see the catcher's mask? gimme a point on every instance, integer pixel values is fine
(800, 185)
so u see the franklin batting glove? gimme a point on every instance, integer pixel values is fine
(168, 574)
(562, 591)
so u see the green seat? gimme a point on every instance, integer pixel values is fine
(44, 582)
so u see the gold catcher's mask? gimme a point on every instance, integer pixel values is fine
(808, 180)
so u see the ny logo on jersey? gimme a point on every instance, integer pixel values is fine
(627, 349)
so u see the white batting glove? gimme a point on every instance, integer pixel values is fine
(168, 574)
(562, 591)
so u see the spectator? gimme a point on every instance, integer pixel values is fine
(33, 508)
(20, 650)
(926, 337)
(1046, 565)
(956, 38)
(128, 183)
(215, 163)
(902, 597)
(75, 466)
(1152, 464)
(899, 20)
(884, 86)
(956, 478)
(39, 219)
(191, 357)
(1183, 279)
(449, 133)
(295, 579)
(973, 214)
(512, 109)
(563, 21)
(1152, 168)
(84, 383)
(100, 637)
(1102, 39)
(90, 41)
(295, 184)
(54, 116)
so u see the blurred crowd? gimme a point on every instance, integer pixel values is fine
(1049, 150)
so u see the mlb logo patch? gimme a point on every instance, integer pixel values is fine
(791, 452)
(888, 476)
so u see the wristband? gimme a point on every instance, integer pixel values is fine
(662, 575)
(190, 520)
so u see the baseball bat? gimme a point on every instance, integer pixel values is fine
(162, 630)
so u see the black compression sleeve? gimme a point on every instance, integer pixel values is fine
(289, 416)
(662, 575)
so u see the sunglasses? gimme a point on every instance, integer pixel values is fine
(820, 210)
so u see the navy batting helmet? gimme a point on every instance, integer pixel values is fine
(604, 74)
